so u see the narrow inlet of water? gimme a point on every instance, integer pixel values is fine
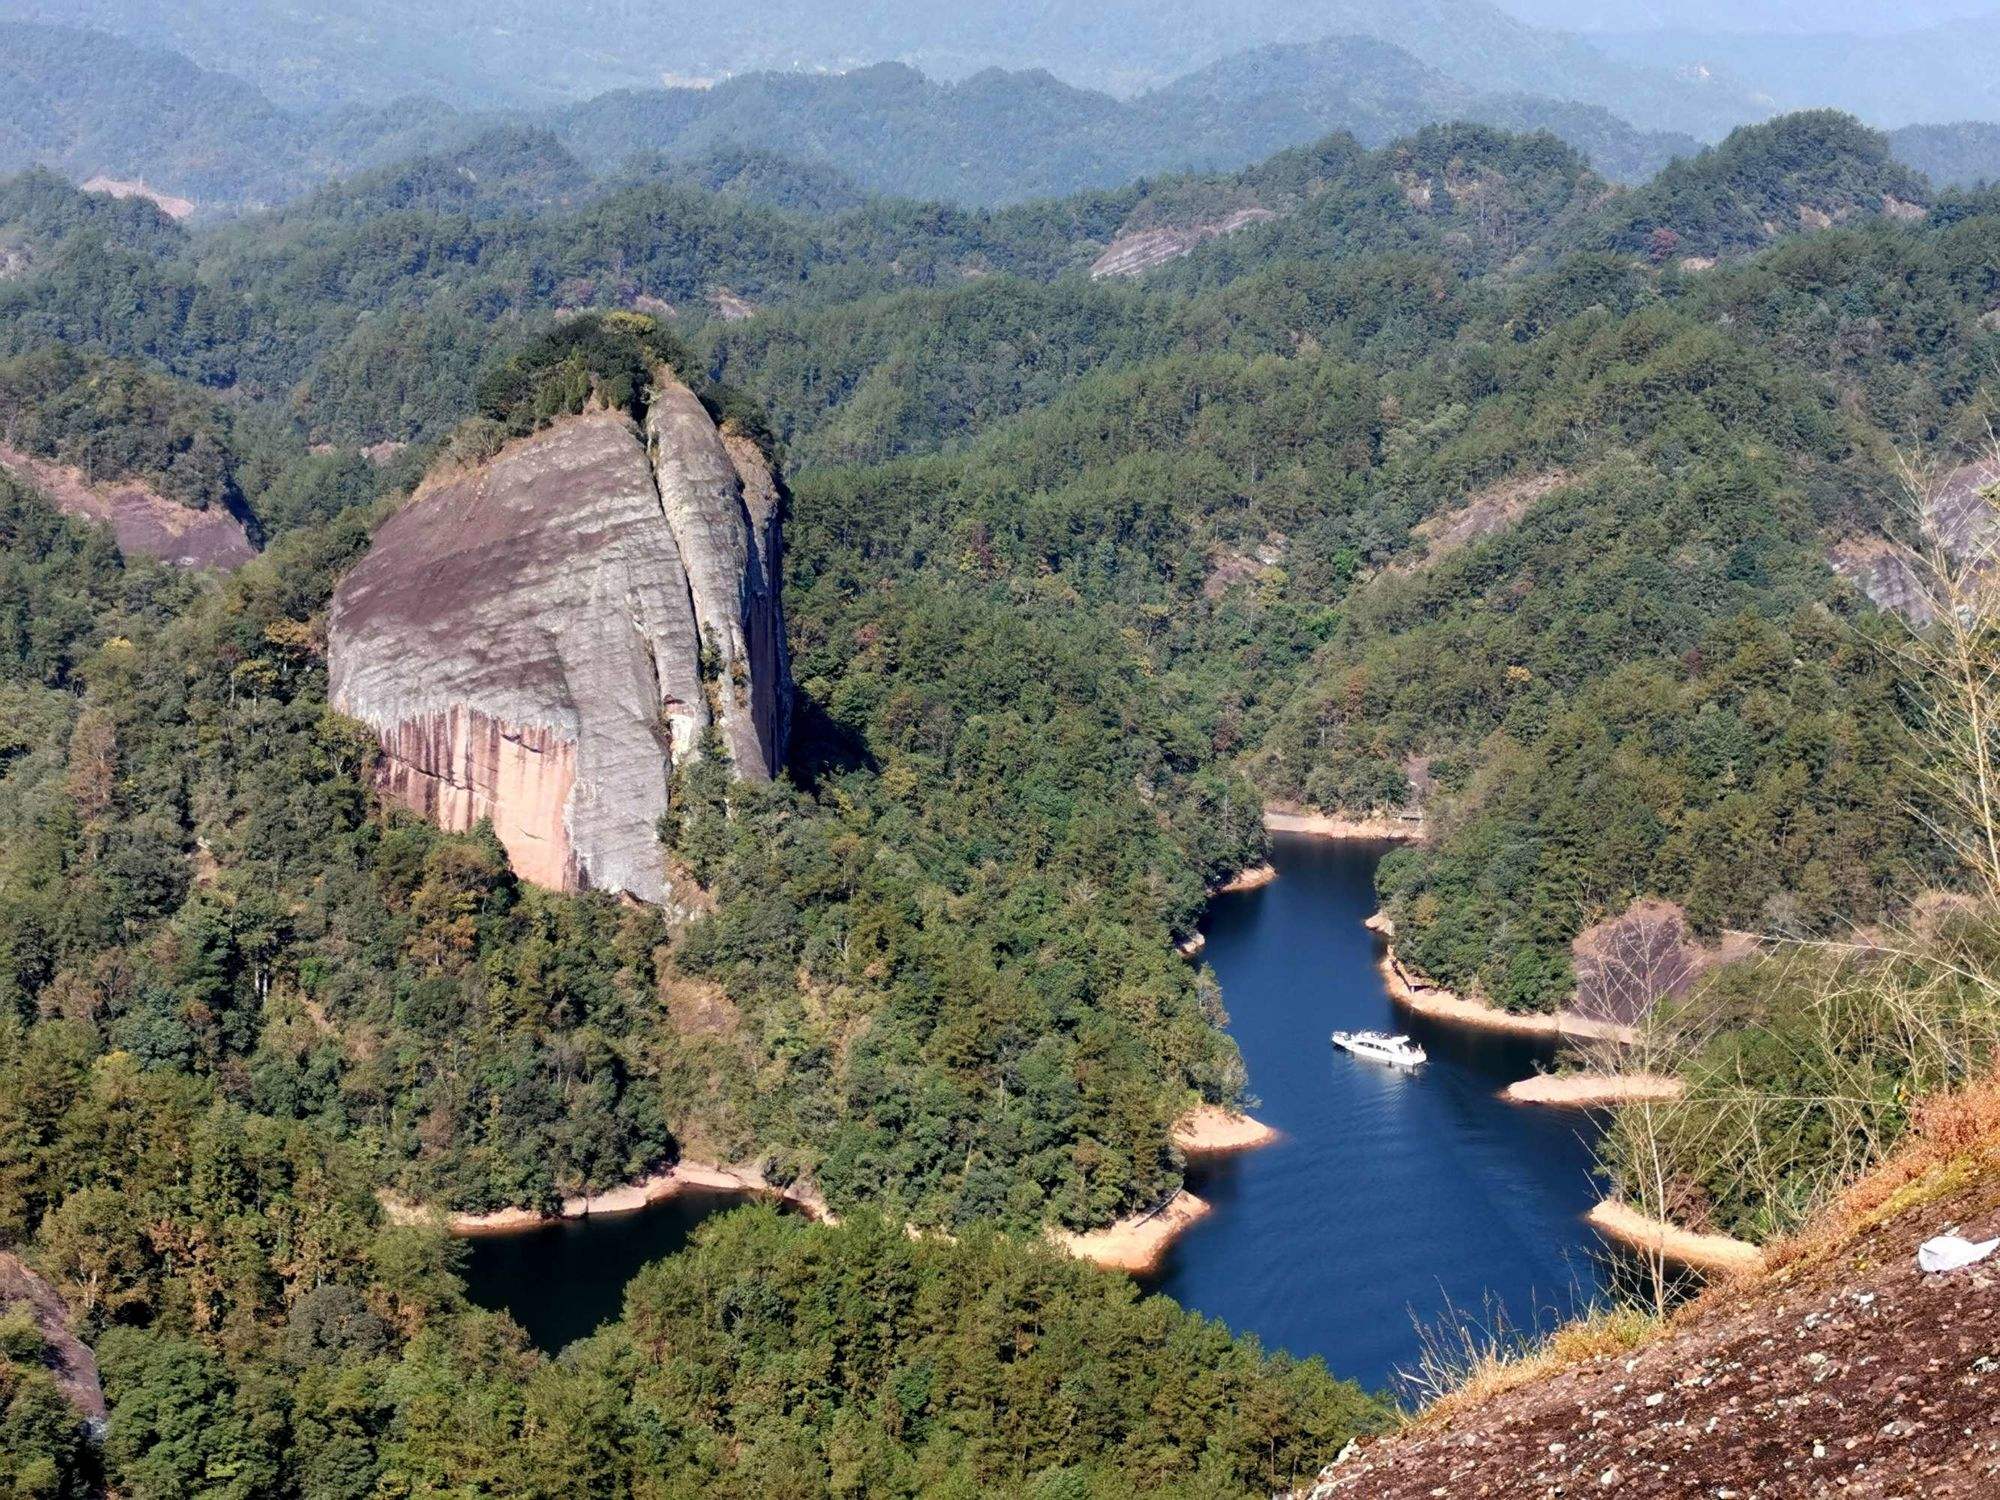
(1391, 1198)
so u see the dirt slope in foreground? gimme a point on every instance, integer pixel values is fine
(1845, 1372)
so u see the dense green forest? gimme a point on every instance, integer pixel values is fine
(1447, 482)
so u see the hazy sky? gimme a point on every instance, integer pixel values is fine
(1747, 15)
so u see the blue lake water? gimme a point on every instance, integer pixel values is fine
(1391, 1197)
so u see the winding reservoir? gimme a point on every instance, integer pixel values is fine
(1389, 1198)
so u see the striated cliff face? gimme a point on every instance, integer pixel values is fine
(539, 640)
(145, 522)
(1140, 250)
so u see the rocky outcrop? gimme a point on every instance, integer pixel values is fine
(1482, 514)
(1839, 1368)
(144, 522)
(1627, 964)
(1138, 252)
(1964, 523)
(1886, 573)
(540, 639)
(119, 187)
(69, 1359)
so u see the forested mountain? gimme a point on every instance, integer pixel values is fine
(94, 107)
(516, 54)
(999, 137)
(1374, 90)
(1966, 154)
(1812, 170)
(1451, 474)
(91, 105)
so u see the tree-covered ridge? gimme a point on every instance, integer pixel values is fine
(962, 1357)
(40, 212)
(88, 104)
(1077, 576)
(1804, 170)
(370, 308)
(116, 419)
(998, 138)
(262, 1331)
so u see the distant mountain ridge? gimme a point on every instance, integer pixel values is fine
(515, 53)
(88, 104)
(1965, 153)
(999, 137)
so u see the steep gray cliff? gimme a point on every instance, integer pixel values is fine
(540, 639)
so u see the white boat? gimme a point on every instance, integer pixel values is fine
(1379, 1046)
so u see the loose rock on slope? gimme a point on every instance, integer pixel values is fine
(539, 640)
(1847, 1372)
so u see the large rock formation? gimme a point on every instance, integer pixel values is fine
(145, 522)
(1138, 251)
(540, 639)
(1962, 515)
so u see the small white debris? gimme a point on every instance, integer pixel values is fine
(1948, 1252)
(1609, 1477)
(1656, 1398)
(1819, 1450)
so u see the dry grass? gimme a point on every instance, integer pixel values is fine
(1462, 1364)
(1954, 1139)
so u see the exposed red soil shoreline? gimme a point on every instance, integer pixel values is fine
(1253, 878)
(1289, 817)
(1711, 1254)
(1410, 988)
(1592, 1090)
(1210, 1130)
(680, 1178)
(1137, 1244)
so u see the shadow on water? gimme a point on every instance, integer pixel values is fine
(561, 1281)
(1392, 1198)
